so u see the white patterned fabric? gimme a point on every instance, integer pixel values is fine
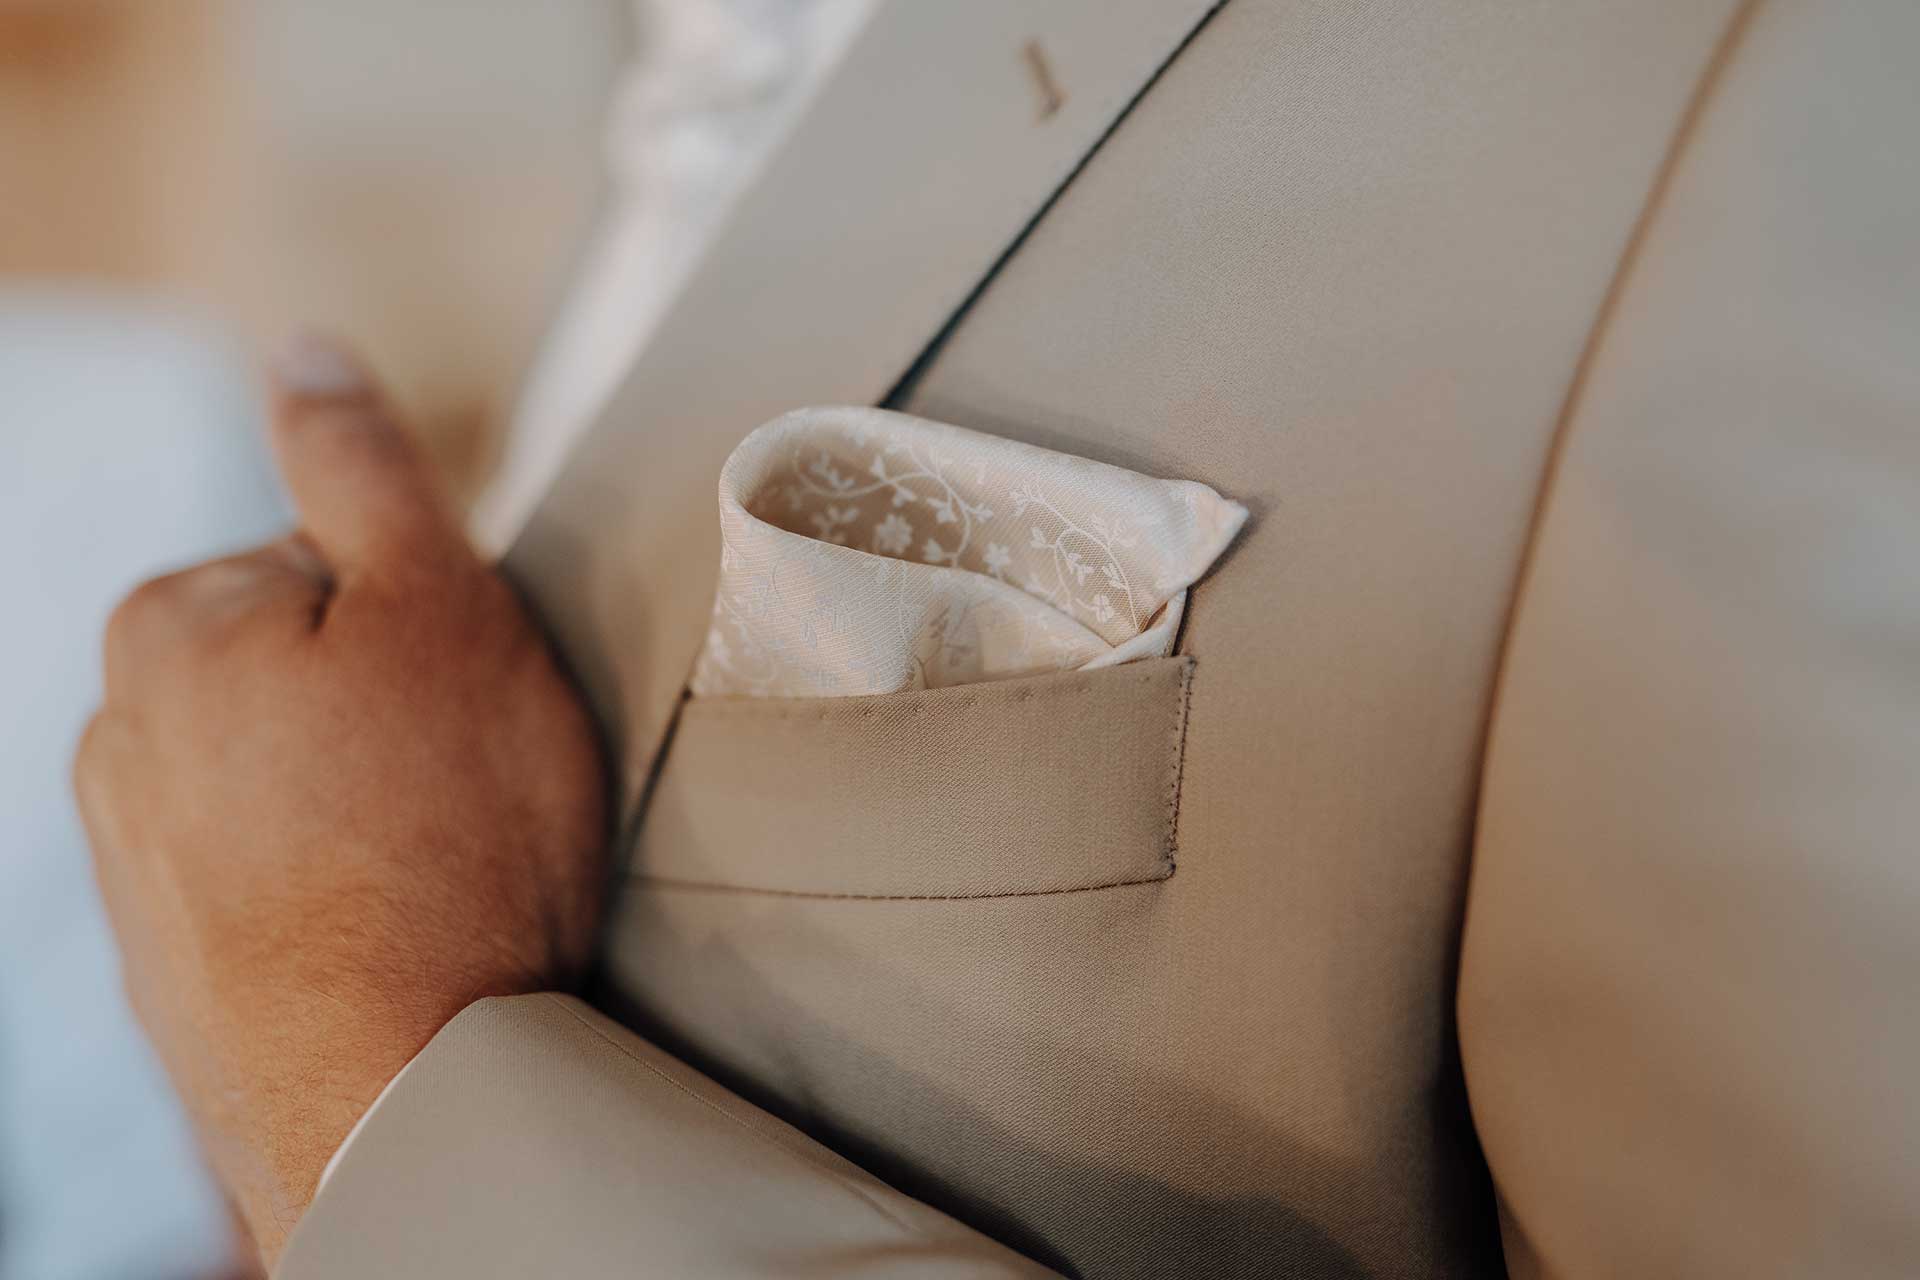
(865, 551)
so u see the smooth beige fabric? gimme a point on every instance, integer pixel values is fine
(1342, 262)
(940, 793)
(463, 1175)
(864, 551)
(1690, 999)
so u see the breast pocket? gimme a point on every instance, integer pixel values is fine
(1044, 785)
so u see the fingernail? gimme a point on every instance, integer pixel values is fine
(310, 365)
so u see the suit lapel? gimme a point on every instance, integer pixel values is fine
(943, 132)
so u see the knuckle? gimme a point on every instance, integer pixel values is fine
(93, 783)
(161, 625)
(86, 755)
(134, 633)
(136, 608)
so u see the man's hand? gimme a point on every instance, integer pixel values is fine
(338, 790)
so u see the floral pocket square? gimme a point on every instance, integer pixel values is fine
(864, 551)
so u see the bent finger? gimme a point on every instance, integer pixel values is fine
(163, 617)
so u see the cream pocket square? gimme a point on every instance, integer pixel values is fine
(864, 551)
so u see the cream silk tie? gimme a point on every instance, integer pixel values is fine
(865, 551)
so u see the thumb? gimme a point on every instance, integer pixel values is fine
(365, 496)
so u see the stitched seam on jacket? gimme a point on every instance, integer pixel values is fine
(778, 1140)
(1177, 769)
(706, 886)
(946, 701)
(1180, 669)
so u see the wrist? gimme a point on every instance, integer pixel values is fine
(331, 1065)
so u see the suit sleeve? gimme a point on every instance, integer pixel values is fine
(534, 1136)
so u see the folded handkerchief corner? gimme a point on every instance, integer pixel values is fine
(867, 551)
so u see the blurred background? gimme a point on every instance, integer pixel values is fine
(183, 183)
(414, 175)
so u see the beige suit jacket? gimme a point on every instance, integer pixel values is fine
(1536, 775)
